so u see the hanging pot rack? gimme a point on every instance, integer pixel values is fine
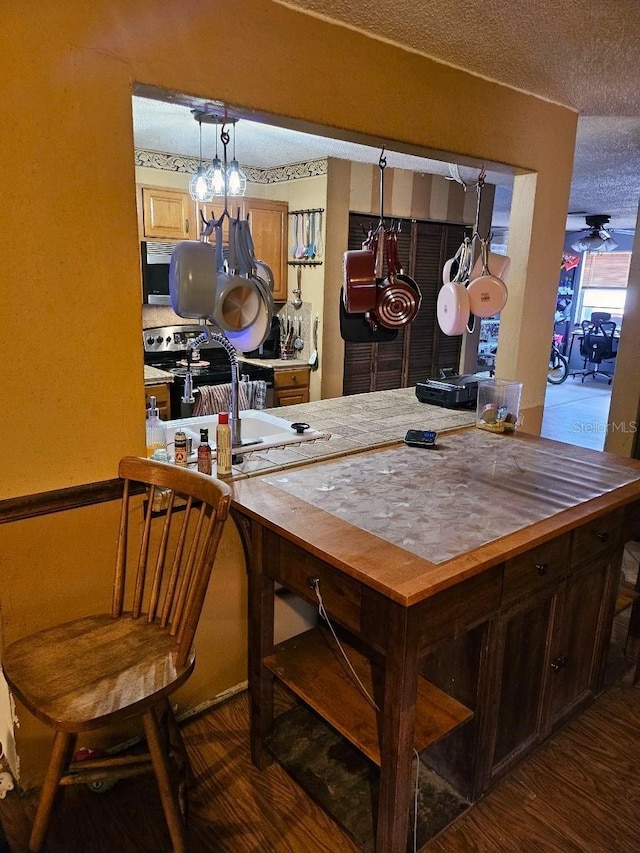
(222, 121)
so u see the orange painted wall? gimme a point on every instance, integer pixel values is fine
(70, 268)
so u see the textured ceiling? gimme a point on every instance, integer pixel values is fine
(583, 54)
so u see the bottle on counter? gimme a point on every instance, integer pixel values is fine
(156, 434)
(204, 453)
(223, 446)
(180, 451)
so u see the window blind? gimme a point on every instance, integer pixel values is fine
(609, 269)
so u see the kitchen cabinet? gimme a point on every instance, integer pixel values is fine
(166, 214)
(163, 401)
(420, 349)
(291, 386)
(268, 221)
(549, 641)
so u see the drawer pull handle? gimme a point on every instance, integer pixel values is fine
(559, 663)
(603, 537)
(542, 568)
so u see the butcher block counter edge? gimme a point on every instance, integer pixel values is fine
(401, 575)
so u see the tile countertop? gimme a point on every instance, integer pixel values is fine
(410, 522)
(354, 423)
(274, 363)
(452, 499)
(154, 376)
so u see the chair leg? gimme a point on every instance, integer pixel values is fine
(163, 776)
(63, 744)
(177, 743)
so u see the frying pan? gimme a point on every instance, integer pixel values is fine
(238, 299)
(487, 292)
(452, 308)
(398, 298)
(255, 334)
(356, 329)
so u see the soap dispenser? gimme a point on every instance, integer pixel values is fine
(156, 434)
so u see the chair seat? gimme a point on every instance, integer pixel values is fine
(83, 674)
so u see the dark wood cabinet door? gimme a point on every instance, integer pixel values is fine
(575, 652)
(522, 641)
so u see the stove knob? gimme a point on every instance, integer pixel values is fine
(169, 339)
(149, 341)
(159, 339)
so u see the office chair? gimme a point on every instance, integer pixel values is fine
(598, 344)
(85, 674)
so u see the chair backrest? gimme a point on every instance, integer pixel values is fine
(599, 317)
(183, 517)
(598, 340)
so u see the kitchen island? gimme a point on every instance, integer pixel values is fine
(473, 587)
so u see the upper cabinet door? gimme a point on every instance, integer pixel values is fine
(168, 214)
(268, 222)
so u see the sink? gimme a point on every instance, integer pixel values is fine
(258, 429)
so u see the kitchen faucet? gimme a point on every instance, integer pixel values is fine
(187, 400)
(234, 408)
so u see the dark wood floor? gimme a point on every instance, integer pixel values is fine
(580, 792)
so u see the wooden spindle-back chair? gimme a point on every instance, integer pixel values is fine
(92, 671)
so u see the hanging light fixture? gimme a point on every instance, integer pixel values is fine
(224, 177)
(200, 188)
(597, 239)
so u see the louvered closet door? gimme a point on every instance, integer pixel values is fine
(428, 349)
(374, 367)
(420, 348)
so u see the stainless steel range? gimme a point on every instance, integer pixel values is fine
(166, 348)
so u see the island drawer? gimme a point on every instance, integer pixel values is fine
(456, 610)
(341, 595)
(598, 538)
(541, 566)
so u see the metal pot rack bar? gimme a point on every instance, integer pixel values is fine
(306, 210)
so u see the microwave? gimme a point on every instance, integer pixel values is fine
(156, 258)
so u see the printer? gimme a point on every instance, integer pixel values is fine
(450, 390)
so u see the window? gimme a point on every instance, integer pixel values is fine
(603, 285)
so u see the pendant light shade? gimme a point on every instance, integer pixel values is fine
(216, 176)
(236, 179)
(597, 239)
(200, 188)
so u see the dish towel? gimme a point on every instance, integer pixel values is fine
(212, 399)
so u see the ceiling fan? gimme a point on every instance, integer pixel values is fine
(597, 238)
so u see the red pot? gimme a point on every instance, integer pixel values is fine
(359, 281)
